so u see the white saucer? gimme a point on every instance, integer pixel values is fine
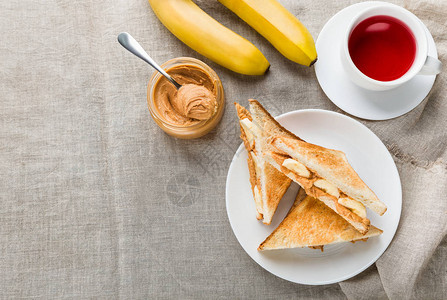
(370, 159)
(348, 96)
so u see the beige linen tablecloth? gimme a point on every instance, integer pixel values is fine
(97, 202)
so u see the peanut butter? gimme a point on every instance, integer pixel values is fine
(194, 102)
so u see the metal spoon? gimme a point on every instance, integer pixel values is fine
(128, 42)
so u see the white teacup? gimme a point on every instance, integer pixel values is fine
(422, 64)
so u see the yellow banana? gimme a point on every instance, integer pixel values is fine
(205, 35)
(285, 32)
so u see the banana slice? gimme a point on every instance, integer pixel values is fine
(297, 167)
(327, 187)
(355, 206)
(251, 130)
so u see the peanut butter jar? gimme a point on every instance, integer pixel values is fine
(195, 114)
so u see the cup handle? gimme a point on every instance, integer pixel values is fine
(432, 66)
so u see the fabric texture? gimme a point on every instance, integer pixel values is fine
(97, 202)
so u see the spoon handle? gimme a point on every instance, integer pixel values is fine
(128, 42)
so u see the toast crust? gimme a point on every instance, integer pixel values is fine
(310, 223)
(275, 187)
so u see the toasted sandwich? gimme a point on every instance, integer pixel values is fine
(268, 184)
(325, 174)
(310, 223)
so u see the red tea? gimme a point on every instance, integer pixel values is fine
(382, 47)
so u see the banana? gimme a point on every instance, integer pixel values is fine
(285, 32)
(205, 35)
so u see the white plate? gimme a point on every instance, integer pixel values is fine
(370, 159)
(355, 100)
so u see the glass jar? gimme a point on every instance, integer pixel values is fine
(186, 131)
